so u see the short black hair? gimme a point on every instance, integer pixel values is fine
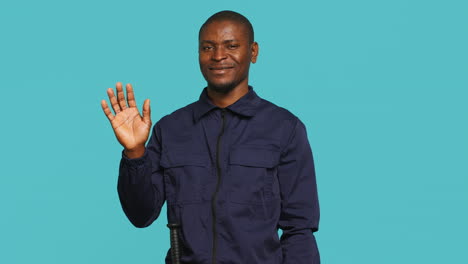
(228, 15)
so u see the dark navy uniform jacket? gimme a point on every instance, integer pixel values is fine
(231, 177)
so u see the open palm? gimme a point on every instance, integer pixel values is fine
(130, 128)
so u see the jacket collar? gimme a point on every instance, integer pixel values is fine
(245, 106)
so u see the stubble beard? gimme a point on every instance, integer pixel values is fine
(224, 88)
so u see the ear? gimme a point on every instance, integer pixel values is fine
(254, 52)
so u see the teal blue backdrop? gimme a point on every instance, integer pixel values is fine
(381, 86)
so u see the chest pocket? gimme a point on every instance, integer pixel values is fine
(187, 176)
(253, 175)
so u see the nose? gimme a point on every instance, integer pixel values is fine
(219, 54)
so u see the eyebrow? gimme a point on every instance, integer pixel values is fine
(214, 42)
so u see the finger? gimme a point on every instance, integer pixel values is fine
(147, 111)
(113, 100)
(106, 110)
(121, 96)
(130, 96)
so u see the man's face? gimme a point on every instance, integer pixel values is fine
(225, 54)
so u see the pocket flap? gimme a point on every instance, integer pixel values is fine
(254, 157)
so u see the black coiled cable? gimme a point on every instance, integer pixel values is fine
(175, 247)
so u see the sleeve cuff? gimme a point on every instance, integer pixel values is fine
(134, 162)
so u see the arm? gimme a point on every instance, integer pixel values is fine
(141, 186)
(299, 206)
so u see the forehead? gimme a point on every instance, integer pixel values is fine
(223, 29)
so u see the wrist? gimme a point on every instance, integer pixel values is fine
(135, 153)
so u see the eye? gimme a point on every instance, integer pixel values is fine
(207, 48)
(233, 46)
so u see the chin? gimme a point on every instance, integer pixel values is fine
(222, 87)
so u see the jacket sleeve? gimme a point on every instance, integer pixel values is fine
(141, 186)
(299, 200)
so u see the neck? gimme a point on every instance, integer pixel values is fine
(223, 100)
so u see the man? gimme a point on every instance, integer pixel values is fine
(232, 167)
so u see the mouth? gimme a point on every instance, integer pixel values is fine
(220, 68)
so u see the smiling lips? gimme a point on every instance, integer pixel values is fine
(220, 69)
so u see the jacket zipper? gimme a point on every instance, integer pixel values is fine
(213, 200)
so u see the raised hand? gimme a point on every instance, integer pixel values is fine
(130, 128)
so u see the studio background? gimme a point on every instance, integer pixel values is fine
(380, 85)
